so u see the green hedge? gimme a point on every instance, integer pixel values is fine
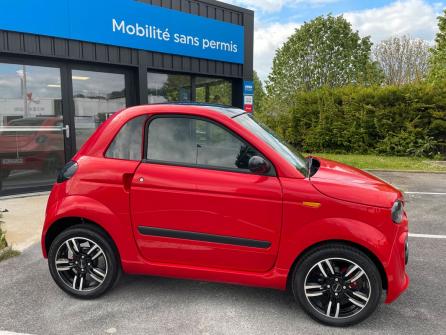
(3, 243)
(402, 121)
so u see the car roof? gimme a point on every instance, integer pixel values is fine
(99, 141)
(226, 110)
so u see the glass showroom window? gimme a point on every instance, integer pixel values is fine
(31, 138)
(213, 90)
(97, 95)
(163, 87)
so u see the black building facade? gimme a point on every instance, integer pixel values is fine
(55, 91)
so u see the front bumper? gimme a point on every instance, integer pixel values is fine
(397, 278)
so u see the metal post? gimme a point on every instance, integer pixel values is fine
(25, 93)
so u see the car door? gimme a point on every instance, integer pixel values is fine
(194, 202)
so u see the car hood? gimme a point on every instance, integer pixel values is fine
(347, 183)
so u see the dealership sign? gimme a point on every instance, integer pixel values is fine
(127, 23)
(248, 96)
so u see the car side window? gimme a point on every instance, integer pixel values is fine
(190, 141)
(127, 144)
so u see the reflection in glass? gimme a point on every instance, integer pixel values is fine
(127, 144)
(268, 136)
(213, 90)
(31, 138)
(97, 95)
(164, 87)
(196, 142)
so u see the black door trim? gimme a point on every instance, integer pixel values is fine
(188, 235)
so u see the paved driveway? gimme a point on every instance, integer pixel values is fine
(31, 303)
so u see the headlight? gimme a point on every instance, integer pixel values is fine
(397, 211)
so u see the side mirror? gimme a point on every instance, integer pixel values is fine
(258, 164)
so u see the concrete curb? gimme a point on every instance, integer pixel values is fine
(25, 195)
(21, 247)
(24, 219)
(405, 171)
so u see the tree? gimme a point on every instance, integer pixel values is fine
(437, 69)
(259, 93)
(402, 60)
(322, 52)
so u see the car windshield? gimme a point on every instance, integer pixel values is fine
(267, 135)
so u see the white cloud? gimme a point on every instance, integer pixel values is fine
(266, 40)
(415, 18)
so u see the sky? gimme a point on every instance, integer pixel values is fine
(276, 20)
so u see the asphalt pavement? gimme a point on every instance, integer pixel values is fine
(30, 302)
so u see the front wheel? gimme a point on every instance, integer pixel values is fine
(337, 285)
(82, 262)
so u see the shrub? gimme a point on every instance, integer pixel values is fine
(3, 243)
(406, 121)
(5, 250)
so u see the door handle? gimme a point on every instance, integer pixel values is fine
(67, 131)
(127, 181)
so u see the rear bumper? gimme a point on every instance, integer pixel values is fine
(50, 211)
(397, 278)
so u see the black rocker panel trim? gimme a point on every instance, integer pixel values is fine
(188, 235)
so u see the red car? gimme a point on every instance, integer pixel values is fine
(31, 149)
(206, 192)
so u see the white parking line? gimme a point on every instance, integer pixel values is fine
(427, 236)
(426, 193)
(11, 333)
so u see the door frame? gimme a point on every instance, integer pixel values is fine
(271, 173)
(130, 76)
(65, 69)
(32, 61)
(56, 64)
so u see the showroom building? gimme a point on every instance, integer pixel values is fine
(66, 66)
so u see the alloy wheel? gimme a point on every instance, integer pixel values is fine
(81, 264)
(337, 288)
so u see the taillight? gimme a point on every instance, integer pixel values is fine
(67, 171)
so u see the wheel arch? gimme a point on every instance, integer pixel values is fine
(65, 223)
(368, 252)
(77, 209)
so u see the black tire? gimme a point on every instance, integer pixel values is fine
(316, 300)
(86, 236)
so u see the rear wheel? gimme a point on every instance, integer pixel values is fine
(337, 285)
(82, 262)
